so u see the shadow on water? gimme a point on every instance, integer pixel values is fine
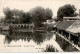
(66, 46)
(37, 37)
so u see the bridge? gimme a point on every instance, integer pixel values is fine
(22, 27)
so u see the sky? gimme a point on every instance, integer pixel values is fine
(27, 5)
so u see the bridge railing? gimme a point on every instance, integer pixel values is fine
(21, 26)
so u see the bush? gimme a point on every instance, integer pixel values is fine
(49, 48)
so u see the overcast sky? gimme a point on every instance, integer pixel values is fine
(26, 5)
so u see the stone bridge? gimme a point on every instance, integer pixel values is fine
(22, 26)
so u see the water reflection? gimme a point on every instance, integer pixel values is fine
(29, 41)
(66, 46)
(37, 37)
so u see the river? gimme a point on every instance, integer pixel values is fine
(28, 41)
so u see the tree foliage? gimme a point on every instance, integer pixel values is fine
(26, 18)
(40, 15)
(67, 10)
(48, 13)
(8, 13)
(16, 16)
(37, 15)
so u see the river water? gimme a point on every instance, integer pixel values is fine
(27, 41)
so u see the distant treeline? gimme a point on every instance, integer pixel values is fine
(37, 15)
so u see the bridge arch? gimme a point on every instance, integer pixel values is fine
(22, 26)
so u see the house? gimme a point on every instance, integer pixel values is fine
(70, 28)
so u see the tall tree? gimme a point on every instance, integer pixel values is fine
(67, 10)
(40, 15)
(8, 15)
(48, 13)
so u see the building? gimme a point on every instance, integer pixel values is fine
(70, 28)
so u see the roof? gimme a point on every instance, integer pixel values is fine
(64, 24)
(78, 18)
(74, 30)
(75, 27)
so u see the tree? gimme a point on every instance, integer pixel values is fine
(40, 15)
(26, 18)
(37, 15)
(48, 13)
(67, 10)
(8, 15)
(16, 12)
